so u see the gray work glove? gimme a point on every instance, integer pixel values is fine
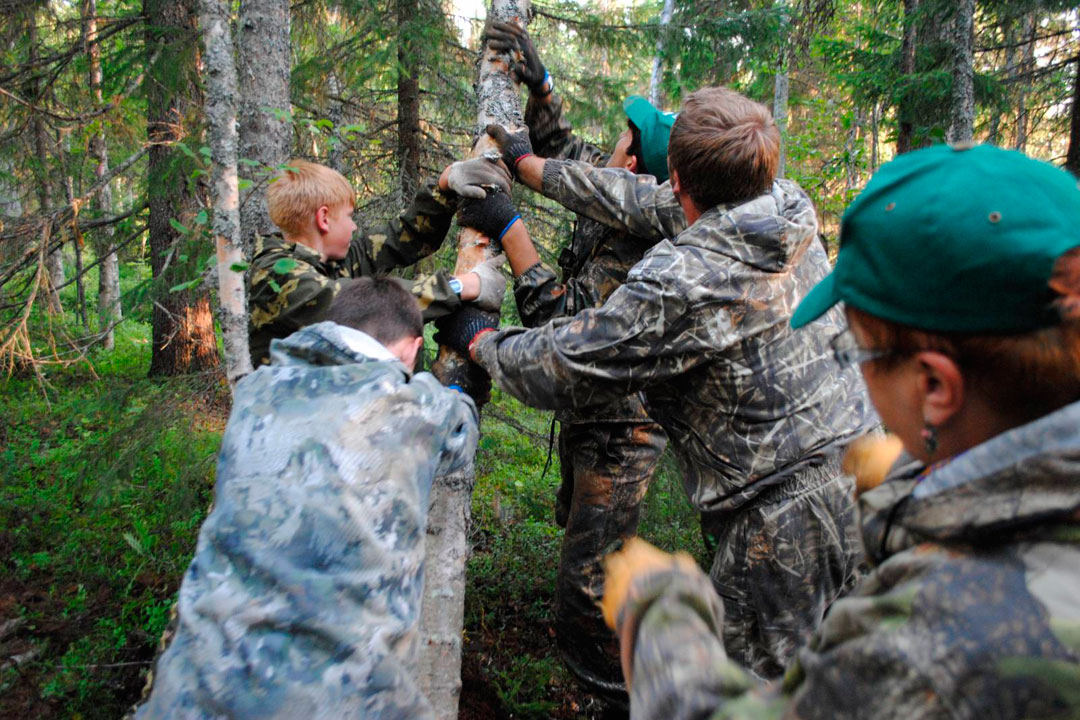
(469, 178)
(508, 37)
(513, 146)
(492, 284)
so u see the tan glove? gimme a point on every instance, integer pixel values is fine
(492, 284)
(870, 458)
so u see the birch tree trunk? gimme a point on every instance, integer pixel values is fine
(962, 104)
(658, 59)
(54, 263)
(109, 310)
(1027, 67)
(906, 131)
(447, 549)
(780, 87)
(220, 81)
(264, 61)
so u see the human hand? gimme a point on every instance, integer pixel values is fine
(492, 284)
(636, 560)
(472, 178)
(492, 215)
(508, 37)
(459, 329)
(513, 146)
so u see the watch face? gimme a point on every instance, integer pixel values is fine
(455, 285)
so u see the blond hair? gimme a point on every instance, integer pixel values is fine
(300, 189)
(724, 146)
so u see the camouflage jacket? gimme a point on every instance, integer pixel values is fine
(973, 611)
(303, 598)
(594, 264)
(702, 325)
(290, 286)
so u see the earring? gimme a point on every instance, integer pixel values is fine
(929, 438)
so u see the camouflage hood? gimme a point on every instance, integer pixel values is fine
(767, 233)
(1024, 481)
(328, 343)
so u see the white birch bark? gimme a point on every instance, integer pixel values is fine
(962, 103)
(658, 59)
(447, 548)
(220, 78)
(109, 309)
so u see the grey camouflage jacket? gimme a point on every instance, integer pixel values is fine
(593, 265)
(702, 326)
(303, 598)
(973, 611)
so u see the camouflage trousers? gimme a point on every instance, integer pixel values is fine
(779, 564)
(606, 469)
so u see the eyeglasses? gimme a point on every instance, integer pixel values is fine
(847, 352)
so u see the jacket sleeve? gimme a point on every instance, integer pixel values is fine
(541, 297)
(552, 136)
(414, 234)
(434, 294)
(640, 336)
(615, 197)
(291, 299)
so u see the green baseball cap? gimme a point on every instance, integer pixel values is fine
(655, 126)
(954, 239)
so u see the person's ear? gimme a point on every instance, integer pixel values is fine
(940, 387)
(322, 219)
(631, 163)
(674, 175)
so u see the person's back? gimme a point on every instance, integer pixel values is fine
(303, 597)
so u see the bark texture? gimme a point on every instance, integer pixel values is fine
(1027, 68)
(658, 59)
(264, 61)
(962, 103)
(447, 549)
(109, 310)
(54, 264)
(780, 86)
(220, 74)
(906, 132)
(1072, 158)
(183, 326)
(408, 97)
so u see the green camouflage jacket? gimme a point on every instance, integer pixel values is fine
(702, 326)
(972, 612)
(289, 286)
(594, 264)
(303, 598)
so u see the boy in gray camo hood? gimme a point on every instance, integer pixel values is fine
(303, 598)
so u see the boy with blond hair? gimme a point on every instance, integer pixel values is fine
(295, 274)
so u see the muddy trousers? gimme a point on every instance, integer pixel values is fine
(606, 469)
(781, 562)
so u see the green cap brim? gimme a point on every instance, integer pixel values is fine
(655, 127)
(817, 302)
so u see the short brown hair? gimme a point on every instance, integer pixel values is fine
(300, 189)
(724, 146)
(380, 307)
(1024, 375)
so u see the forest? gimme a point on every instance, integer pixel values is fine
(139, 137)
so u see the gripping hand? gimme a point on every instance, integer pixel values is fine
(472, 178)
(492, 216)
(508, 37)
(513, 146)
(459, 329)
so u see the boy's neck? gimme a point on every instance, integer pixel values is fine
(309, 240)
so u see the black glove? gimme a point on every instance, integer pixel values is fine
(491, 216)
(512, 146)
(508, 37)
(458, 329)
(470, 178)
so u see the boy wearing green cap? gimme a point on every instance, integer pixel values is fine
(608, 453)
(959, 271)
(758, 415)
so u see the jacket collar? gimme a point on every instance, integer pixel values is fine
(328, 343)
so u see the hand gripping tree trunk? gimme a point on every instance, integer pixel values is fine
(220, 80)
(442, 618)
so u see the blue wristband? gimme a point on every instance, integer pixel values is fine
(456, 387)
(508, 225)
(546, 81)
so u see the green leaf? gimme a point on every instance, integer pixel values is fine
(248, 163)
(243, 184)
(239, 267)
(179, 226)
(187, 151)
(205, 151)
(284, 266)
(202, 217)
(186, 285)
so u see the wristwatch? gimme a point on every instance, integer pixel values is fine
(456, 286)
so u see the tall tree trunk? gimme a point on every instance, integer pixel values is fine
(264, 62)
(962, 103)
(658, 59)
(906, 133)
(63, 142)
(1072, 158)
(447, 548)
(408, 98)
(335, 112)
(1008, 38)
(183, 326)
(781, 87)
(1027, 67)
(220, 74)
(54, 264)
(109, 310)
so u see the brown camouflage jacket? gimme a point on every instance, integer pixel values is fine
(702, 326)
(593, 266)
(289, 286)
(972, 612)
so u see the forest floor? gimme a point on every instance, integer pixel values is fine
(106, 478)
